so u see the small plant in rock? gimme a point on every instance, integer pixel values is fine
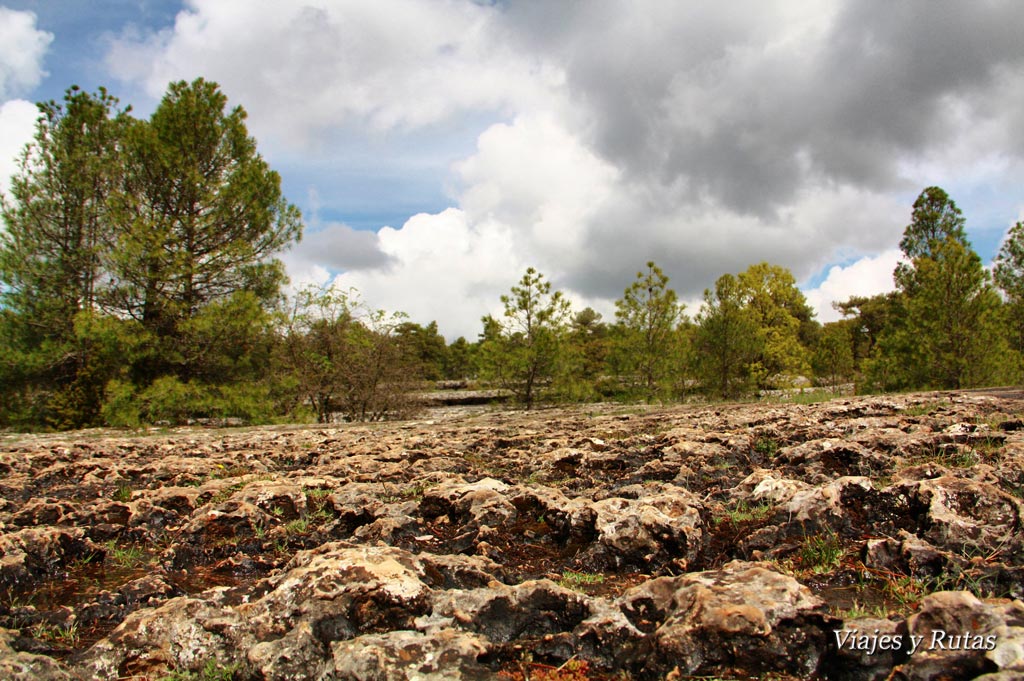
(320, 515)
(859, 611)
(123, 493)
(67, 635)
(125, 556)
(224, 494)
(577, 580)
(212, 671)
(923, 408)
(82, 561)
(297, 526)
(822, 552)
(742, 512)
(527, 670)
(766, 447)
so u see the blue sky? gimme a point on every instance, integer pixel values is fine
(437, 148)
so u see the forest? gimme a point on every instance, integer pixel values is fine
(139, 285)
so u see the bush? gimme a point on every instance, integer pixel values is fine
(169, 400)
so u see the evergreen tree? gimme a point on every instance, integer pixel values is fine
(727, 339)
(527, 353)
(201, 216)
(649, 313)
(52, 259)
(946, 334)
(1009, 275)
(833, 356)
(783, 319)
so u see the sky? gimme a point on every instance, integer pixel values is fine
(438, 148)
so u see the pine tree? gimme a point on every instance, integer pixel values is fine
(1009, 276)
(52, 260)
(947, 333)
(727, 340)
(649, 313)
(783, 319)
(528, 352)
(201, 215)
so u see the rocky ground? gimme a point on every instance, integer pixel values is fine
(861, 538)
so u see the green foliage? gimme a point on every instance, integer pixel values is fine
(833, 356)
(527, 352)
(460, 360)
(578, 580)
(169, 400)
(212, 670)
(138, 251)
(934, 220)
(782, 317)
(1009, 276)
(944, 331)
(727, 341)
(205, 215)
(648, 314)
(52, 255)
(426, 348)
(868, 318)
(822, 552)
(344, 358)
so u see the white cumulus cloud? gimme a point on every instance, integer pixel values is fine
(17, 125)
(866, 277)
(22, 47)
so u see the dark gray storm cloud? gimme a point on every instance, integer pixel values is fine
(341, 248)
(743, 104)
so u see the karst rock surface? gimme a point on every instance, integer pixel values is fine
(857, 538)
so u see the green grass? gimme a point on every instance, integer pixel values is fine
(123, 493)
(126, 556)
(742, 513)
(577, 580)
(211, 671)
(225, 493)
(297, 526)
(67, 635)
(859, 611)
(923, 408)
(766, 447)
(822, 552)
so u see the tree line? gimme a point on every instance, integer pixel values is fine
(139, 284)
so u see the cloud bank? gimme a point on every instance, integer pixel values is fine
(604, 134)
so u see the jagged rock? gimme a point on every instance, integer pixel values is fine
(426, 541)
(399, 655)
(745, 615)
(504, 613)
(153, 641)
(656, 527)
(41, 512)
(968, 515)
(963, 637)
(284, 500)
(829, 457)
(482, 503)
(764, 486)
(21, 666)
(35, 552)
(909, 555)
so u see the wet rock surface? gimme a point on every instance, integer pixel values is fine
(859, 538)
